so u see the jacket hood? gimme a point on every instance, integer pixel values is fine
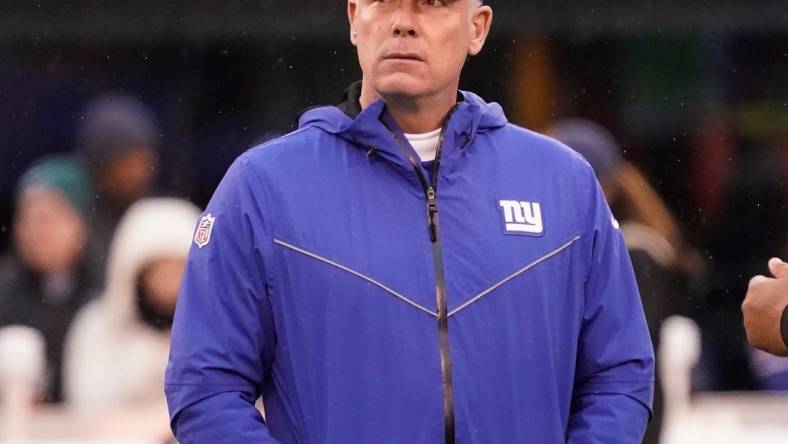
(472, 110)
(150, 229)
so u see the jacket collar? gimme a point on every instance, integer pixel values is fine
(373, 129)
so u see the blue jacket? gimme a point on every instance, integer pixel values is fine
(324, 283)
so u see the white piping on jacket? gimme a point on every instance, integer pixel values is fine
(356, 273)
(416, 305)
(515, 274)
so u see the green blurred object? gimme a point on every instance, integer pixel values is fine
(60, 173)
(763, 119)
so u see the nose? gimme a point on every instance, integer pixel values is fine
(404, 20)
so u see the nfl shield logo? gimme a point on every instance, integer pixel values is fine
(203, 235)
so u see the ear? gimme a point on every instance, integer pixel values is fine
(352, 10)
(481, 20)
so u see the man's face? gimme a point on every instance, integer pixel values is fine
(414, 48)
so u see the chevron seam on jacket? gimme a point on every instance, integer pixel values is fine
(515, 274)
(357, 274)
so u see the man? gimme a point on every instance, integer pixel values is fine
(408, 267)
(765, 310)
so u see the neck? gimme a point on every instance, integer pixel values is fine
(414, 115)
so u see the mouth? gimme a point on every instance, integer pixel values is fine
(403, 56)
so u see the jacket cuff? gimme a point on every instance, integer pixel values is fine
(784, 326)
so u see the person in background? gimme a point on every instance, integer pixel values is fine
(661, 260)
(765, 310)
(117, 350)
(44, 282)
(118, 141)
(760, 199)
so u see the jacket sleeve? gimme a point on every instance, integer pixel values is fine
(614, 377)
(222, 338)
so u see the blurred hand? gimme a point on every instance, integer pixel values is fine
(763, 307)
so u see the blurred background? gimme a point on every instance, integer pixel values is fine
(120, 116)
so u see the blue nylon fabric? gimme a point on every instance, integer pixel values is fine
(557, 353)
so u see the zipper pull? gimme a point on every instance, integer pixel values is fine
(432, 211)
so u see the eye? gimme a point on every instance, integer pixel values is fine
(436, 2)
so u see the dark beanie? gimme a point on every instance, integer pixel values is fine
(591, 140)
(113, 125)
(62, 174)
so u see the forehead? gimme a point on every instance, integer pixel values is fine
(395, 2)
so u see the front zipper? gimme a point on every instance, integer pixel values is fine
(431, 197)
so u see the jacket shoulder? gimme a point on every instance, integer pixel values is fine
(524, 138)
(304, 152)
(292, 143)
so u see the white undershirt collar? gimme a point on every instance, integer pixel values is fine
(425, 144)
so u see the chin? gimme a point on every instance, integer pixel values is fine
(401, 85)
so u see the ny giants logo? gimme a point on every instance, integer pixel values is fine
(522, 217)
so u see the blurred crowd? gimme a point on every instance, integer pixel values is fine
(95, 266)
